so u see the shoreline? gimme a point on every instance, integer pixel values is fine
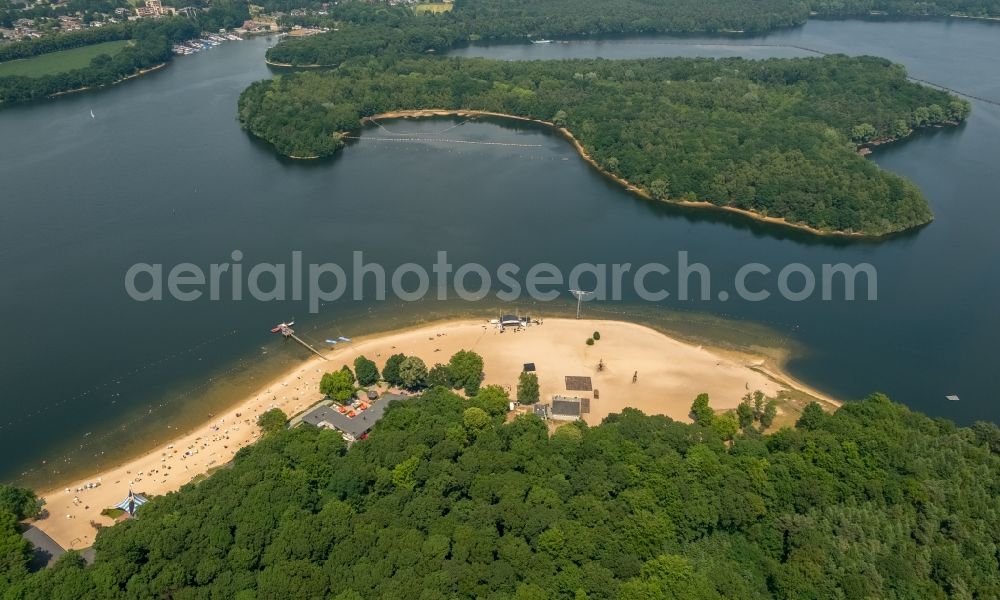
(271, 63)
(628, 185)
(213, 443)
(138, 73)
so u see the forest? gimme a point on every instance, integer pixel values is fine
(151, 46)
(907, 8)
(367, 28)
(778, 137)
(445, 500)
(363, 28)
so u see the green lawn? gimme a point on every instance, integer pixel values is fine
(59, 62)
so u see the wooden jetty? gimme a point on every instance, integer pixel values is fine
(286, 330)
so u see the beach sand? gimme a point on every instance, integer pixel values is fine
(670, 374)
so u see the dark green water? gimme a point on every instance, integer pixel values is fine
(164, 174)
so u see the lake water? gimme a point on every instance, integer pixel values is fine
(163, 174)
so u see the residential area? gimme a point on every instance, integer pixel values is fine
(20, 21)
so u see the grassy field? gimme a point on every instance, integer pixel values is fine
(434, 7)
(59, 62)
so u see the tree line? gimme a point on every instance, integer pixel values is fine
(463, 371)
(364, 29)
(66, 41)
(446, 500)
(151, 45)
(907, 8)
(778, 137)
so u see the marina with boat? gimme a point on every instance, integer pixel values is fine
(206, 43)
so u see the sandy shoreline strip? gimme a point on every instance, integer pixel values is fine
(670, 374)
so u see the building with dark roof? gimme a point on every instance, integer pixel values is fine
(569, 409)
(45, 550)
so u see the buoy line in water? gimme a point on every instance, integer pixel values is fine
(513, 155)
(954, 91)
(438, 140)
(442, 132)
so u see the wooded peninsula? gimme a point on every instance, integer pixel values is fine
(149, 46)
(776, 137)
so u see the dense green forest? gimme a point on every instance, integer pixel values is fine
(777, 137)
(152, 41)
(506, 18)
(907, 8)
(367, 28)
(445, 501)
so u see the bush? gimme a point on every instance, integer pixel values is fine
(366, 370)
(812, 417)
(597, 335)
(590, 341)
(20, 502)
(493, 399)
(439, 376)
(391, 370)
(272, 421)
(466, 369)
(413, 373)
(338, 385)
(527, 388)
(475, 418)
(701, 412)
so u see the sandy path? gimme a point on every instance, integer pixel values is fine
(670, 374)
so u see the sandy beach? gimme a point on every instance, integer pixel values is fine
(669, 374)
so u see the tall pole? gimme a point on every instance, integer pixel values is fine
(579, 299)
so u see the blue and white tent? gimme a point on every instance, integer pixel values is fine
(132, 502)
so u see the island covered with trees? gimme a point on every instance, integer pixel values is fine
(778, 138)
(447, 499)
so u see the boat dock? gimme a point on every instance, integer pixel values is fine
(286, 330)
